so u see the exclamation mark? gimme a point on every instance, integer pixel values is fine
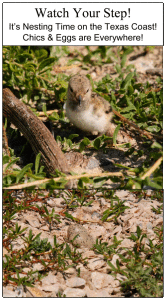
(155, 26)
(128, 12)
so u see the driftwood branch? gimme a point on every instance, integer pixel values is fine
(35, 132)
(69, 178)
(152, 169)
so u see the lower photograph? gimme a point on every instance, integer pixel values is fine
(82, 243)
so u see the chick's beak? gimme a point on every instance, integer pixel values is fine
(80, 98)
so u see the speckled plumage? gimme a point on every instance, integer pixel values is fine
(85, 109)
(84, 239)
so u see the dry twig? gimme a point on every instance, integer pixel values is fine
(68, 178)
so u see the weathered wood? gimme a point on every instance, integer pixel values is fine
(35, 132)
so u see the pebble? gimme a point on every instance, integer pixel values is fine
(101, 280)
(149, 226)
(75, 282)
(34, 292)
(96, 263)
(127, 243)
(98, 230)
(49, 279)
(84, 239)
(71, 292)
(70, 271)
(8, 293)
(159, 221)
(37, 267)
(96, 215)
(33, 222)
(88, 254)
(51, 288)
(97, 294)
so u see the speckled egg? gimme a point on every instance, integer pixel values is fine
(84, 239)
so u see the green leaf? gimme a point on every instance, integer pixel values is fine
(133, 237)
(44, 109)
(80, 184)
(8, 179)
(54, 116)
(98, 181)
(23, 171)
(112, 266)
(23, 56)
(115, 134)
(84, 143)
(12, 67)
(41, 170)
(46, 62)
(5, 124)
(97, 143)
(138, 231)
(153, 128)
(36, 83)
(156, 145)
(11, 163)
(46, 210)
(125, 83)
(41, 53)
(130, 90)
(5, 159)
(85, 179)
(69, 215)
(155, 183)
(118, 68)
(30, 66)
(123, 61)
(55, 241)
(37, 162)
(130, 106)
(72, 136)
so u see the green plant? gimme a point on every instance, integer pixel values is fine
(15, 175)
(116, 208)
(27, 71)
(143, 268)
(140, 266)
(49, 217)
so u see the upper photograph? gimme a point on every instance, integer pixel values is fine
(83, 117)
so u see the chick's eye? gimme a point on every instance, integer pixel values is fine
(71, 89)
(87, 90)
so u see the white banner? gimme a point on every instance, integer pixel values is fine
(83, 23)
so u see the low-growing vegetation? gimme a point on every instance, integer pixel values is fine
(139, 266)
(36, 76)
